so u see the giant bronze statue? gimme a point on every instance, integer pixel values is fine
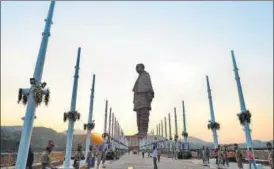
(143, 95)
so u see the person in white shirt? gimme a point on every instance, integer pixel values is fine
(155, 156)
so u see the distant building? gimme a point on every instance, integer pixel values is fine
(133, 143)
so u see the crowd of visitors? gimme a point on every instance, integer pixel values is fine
(98, 154)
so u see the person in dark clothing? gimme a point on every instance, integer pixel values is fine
(216, 155)
(143, 153)
(30, 159)
(78, 157)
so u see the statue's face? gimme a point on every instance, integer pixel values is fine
(139, 68)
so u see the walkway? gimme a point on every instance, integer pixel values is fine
(136, 162)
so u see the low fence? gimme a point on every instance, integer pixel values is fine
(9, 159)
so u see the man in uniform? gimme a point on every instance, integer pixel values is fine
(143, 95)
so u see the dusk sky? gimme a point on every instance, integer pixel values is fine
(178, 42)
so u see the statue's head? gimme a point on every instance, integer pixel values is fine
(140, 67)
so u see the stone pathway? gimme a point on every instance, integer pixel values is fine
(137, 162)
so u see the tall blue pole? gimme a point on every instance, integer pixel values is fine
(176, 131)
(166, 137)
(90, 125)
(106, 116)
(109, 120)
(176, 127)
(162, 129)
(112, 131)
(72, 115)
(185, 134)
(26, 133)
(170, 136)
(157, 131)
(109, 127)
(165, 129)
(245, 115)
(214, 126)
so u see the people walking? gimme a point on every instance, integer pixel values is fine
(101, 154)
(154, 156)
(239, 157)
(105, 152)
(220, 158)
(30, 159)
(250, 156)
(216, 155)
(46, 158)
(174, 150)
(143, 153)
(270, 155)
(207, 155)
(203, 155)
(148, 152)
(159, 154)
(225, 158)
(78, 157)
(90, 157)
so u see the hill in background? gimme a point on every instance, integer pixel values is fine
(10, 138)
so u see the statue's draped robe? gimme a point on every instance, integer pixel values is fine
(143, 95)
(141, 89)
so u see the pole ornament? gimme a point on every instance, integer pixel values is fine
(47, 96)
(185, 134)
(39, 93)
(38, 97)
(213, 125)
(244, 116)
(20, 96)
(105, 135)
(71, 115)
(176, 137)
(89, 126)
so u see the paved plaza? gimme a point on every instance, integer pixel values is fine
(137, 162)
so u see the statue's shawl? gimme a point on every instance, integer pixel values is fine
(143, 84)
(141, 88)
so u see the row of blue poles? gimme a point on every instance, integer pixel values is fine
(32, 101)
(73, 115)
(244, 116)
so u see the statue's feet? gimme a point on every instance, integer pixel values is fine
(141, 135)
